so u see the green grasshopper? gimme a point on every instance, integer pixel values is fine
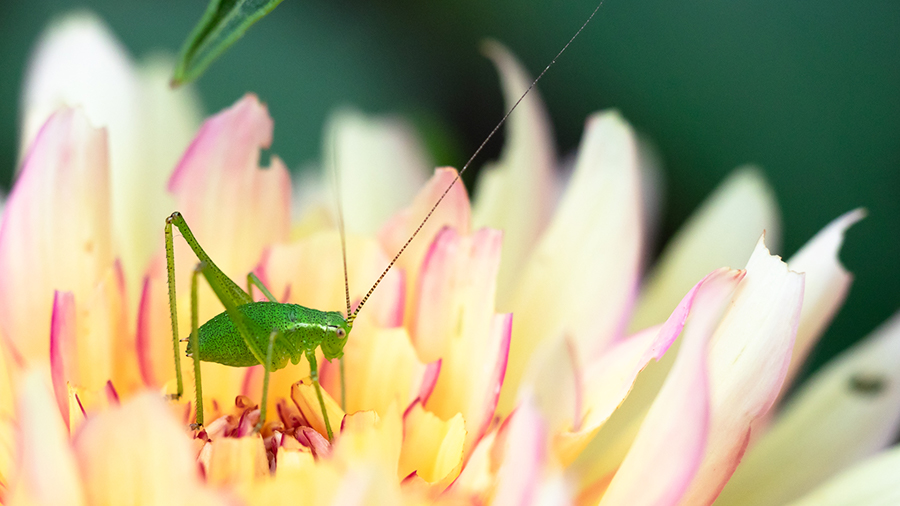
(271, 333)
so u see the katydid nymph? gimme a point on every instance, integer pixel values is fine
(271, 333)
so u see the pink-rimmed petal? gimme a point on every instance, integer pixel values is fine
(79, 63)
(524, 454)
(57, 218)
(222, 166)
(432, 447)
(46, 468)
(576, 284)
(849, 410)
(748, 361)
(235, 209)
(516, 194)
(453, 212)
(827, 283)
(455, 322)
(605, 382)
(63, 357)
(872, 482)
(670, 445)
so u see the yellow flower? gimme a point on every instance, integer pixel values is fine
(501, 361)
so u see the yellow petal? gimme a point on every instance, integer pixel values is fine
(367, 437)
(304, 396)
(237, 462)
(432, 447)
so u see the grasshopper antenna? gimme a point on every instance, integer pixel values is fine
(340, 212)
(362, 302)
(335, 167)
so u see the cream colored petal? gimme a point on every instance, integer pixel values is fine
(432, 447)
(846, 412)
(138, 454)
(576, 414)
(872, 482)
(515, 194)
(718, 234)
(581, 279)
(670, 445)
(56, 229)
(46, 469)
(748, 361)
(79, 62)
(168, 121)
(453, 212)
(382, 165)
(827, 283)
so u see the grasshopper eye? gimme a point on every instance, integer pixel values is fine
(340, 332)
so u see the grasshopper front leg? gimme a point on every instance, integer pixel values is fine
(314, 374)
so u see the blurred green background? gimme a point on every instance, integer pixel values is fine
(810, 91)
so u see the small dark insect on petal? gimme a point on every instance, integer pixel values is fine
(868, 384)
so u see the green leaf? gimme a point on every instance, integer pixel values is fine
(223, 23)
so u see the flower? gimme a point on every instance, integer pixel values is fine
(512, 356)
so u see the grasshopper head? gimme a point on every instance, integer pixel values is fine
(336, 335)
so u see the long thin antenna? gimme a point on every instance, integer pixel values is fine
(469, 162)
(340, 211)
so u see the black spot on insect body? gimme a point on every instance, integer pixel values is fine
(868, 384)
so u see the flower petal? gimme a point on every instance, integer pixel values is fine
(827, 283)
(516, 194)
(303, 393)
(63, 352)
(237, 462)
(847, 411)
(432, 447)
(235, 209)
(581, 278)
(452, 212)
(748, 361)
(670, 445)
(56, 229)
(605, 382)
(79, 62)
(156, 468)
(46, 470)
(524, 454)
(718, 234)
(382, 165)
(455, 322)
(871, 482)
